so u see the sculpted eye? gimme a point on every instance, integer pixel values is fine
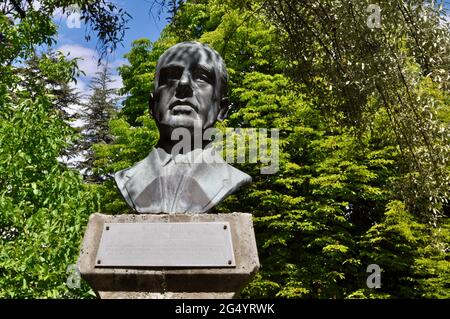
(169, 74)
(203, 76)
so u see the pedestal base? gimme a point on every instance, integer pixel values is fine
(171, 282)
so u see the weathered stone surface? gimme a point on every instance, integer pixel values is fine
(171, 282)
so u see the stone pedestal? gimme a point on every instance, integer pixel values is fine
(171, 282)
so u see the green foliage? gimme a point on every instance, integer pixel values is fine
(342, 198)
(307, 214)
(413, 254)
(350, 190)
(43, 206)
(332, 40)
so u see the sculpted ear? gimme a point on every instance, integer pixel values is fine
(223, 109)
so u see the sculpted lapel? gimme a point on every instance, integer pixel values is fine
(161, 184)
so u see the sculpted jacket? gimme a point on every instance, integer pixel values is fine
(191, 183)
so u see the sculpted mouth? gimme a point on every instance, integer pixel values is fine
(182, 108)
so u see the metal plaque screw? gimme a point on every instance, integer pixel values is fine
(107, 227)
(99, 262)
(225, 227)
(229, 262)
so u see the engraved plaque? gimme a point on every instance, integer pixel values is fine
(206, 244)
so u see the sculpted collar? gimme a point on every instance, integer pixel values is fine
(150, 187)
(189, 158)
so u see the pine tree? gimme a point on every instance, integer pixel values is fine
(96, 114)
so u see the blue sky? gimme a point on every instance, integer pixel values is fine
(144, 24)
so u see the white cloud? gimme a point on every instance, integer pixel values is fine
(89, 64)
(58, 14)
(77, 123)
(79, 85)
(118, 63)
(62, 38)
(88, 58)
(116, 82)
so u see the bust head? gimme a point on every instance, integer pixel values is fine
(190, 85)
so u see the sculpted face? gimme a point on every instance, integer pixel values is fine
(187, 87)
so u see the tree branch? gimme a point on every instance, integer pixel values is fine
(19, 9)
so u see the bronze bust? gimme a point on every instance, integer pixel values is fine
(190, 84)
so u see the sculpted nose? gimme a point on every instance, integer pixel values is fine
(184, 88)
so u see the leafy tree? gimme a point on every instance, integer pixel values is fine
(331, 45)
(34, 77)
(43, 204)
(414, 256)
(342, 197)
(103, 17)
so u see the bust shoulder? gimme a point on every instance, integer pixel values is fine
(147, 183)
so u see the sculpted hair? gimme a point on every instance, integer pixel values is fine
(219, 64)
